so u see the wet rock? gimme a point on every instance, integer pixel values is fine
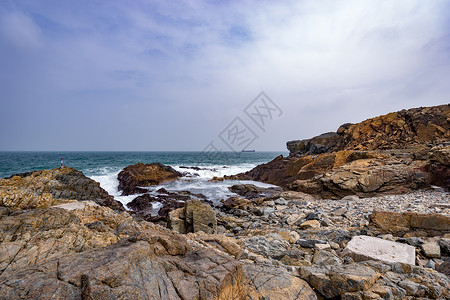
(362, 248)
(142, 205)
(133, 177)
(251, 191)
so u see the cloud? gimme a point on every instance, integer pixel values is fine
(190, 63)
(20, 30)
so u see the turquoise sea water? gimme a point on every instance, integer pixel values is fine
(104, 167)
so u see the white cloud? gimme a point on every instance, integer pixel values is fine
(20, 30)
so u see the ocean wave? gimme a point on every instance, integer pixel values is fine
(196, 180)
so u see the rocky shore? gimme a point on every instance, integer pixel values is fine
(363, 213)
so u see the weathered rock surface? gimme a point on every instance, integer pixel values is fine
(389, 154)
(361, 248)
(194, 216)
(376, 280)
(392, 131)
(401, 223)
(276, 283)
(133, 177)
(42, 189)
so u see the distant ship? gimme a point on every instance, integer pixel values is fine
(248, 151)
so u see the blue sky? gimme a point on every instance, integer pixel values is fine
(171, 75)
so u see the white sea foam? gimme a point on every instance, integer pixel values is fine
(110, 183)
(195, 181)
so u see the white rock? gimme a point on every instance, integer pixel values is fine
(76, 205)
(363, 247)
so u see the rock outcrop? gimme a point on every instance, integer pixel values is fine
(134, 177)
(396, 130)
(42, 189)
(390, 154)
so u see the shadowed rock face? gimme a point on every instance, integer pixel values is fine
(40, 189)
(133, 177)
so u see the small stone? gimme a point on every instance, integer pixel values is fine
(388, 237)
(312, 216)
(292, 219)
(309, 243)
(339, 211)
(281, 201)
(322, 246)
(430, 264)
(431, 249)
(326, 222)
(334, 245)
(350, 198)
(311, 224)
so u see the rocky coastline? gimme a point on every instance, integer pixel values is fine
(363, 213)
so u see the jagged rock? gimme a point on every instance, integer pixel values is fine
(394, 130)
(195, 216)
(345, 163)
(400, 223)
(431, 249)
(42, 189)
(153, 267)
(325, 142)
(133, 177)
(362, 248)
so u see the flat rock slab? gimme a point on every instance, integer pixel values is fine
(363, 247)
(76, 205)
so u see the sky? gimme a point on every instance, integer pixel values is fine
(184, 75)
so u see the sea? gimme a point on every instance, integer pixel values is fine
(198, 168)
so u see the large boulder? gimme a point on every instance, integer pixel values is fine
(41, 189)
(195, 216)
(133, 177)
(401, 223)
(362, 248)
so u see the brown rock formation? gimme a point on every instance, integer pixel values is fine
(390, 154)
(401, 223)
(41, 189)
(134, 176)
(396, 130)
